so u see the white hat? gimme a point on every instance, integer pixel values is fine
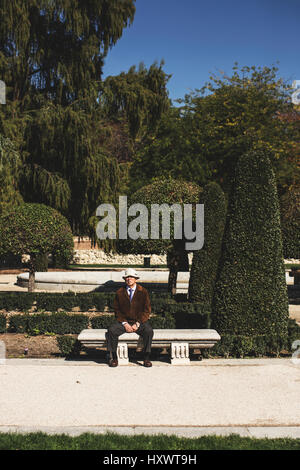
(130, 273)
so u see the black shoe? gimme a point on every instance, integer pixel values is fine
(147, 363)
(113, 363)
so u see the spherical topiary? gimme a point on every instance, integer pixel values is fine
(160, 191)
(35, 229)
(164, 191)
(250, 296)
(205, 261)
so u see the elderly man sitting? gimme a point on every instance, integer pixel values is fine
(132, 309)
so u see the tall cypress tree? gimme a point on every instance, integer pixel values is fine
(205, 261)
(290, 222)
(250, 296)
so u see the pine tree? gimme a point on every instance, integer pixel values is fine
(250, 296)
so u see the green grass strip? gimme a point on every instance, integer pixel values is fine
(111, 441)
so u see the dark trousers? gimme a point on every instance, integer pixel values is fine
(116, 329)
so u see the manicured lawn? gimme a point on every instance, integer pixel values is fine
(109, 441)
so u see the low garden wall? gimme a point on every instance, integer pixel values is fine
(99, 257)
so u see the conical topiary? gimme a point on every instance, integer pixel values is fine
(205, 261)
(250, 296)
(290, 222)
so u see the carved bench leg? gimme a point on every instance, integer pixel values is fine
(122, 352)
(180, 354)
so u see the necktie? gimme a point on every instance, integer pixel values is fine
(130, 294)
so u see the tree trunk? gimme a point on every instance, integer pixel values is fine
(31, 281)
(173, 264)
(177, 260)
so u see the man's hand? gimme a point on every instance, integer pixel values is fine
(128, 328)
(135, 327)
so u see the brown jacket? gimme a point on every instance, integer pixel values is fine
(138, 309)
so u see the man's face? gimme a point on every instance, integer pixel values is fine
(130, 281)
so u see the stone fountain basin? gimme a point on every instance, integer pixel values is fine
(84, 281)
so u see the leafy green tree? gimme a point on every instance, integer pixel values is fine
(241, 113)
(250, 296)
(35, 230)
(202, 140)
(205, 261)
(169, 152)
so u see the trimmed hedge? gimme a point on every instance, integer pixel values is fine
(166, 321)
(290, 222)
(16, 301)
(68, 301)
(157, 322)
(205, 261)
(57, 323)
(190, 315)
(256, 346)
(250, 296)
(63, 323)
(51, 302)
(18, 324)
(68, 345)
(102, 321)
(2, 323)
(240, 346)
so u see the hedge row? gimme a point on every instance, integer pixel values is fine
(239, 346)
(23, 301)
(56, 323)
(63, 323)
(2, 323)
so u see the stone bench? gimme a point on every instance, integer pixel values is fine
(179, 342)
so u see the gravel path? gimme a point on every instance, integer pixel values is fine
(58, 393)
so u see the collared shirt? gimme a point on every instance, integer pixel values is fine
(128, 290)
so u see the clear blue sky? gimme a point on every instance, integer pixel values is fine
(196, 37)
